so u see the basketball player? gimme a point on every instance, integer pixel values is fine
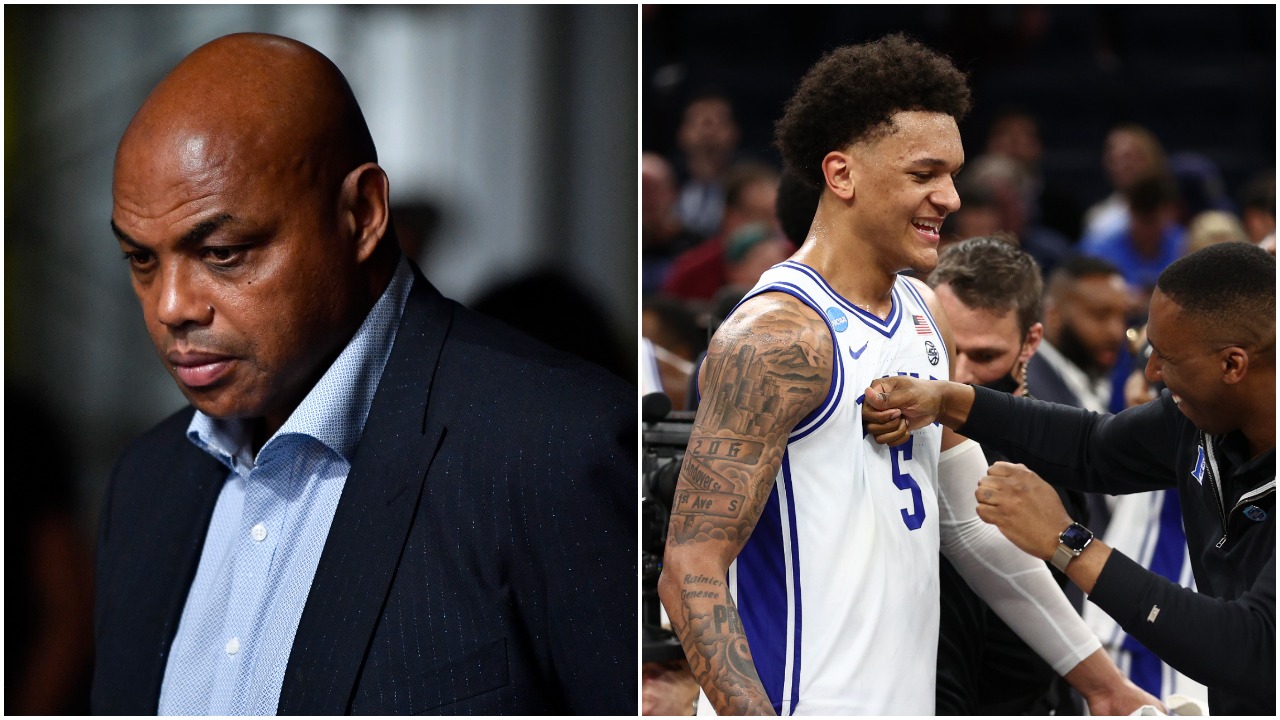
(801, 568)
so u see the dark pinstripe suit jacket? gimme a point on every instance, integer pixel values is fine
(481, 559)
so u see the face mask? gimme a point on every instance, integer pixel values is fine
(1005, 384)
(1012, 381)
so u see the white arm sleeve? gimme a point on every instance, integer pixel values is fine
(1016, 585)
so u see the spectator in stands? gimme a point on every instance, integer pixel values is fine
(978, 216)
(796, 204)
(1258, 210)
(1200, 186)
(1131, 152)
(751, 193)
(1015, 134)
(708, 137)
(1012, 187)
(1212, 227)
(677, 340)
(751, 250)
(1152, 240)
(662, 235)
(1087, 303)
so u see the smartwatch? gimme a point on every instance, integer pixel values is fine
(1071, 543)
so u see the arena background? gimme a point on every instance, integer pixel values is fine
(1201, 77)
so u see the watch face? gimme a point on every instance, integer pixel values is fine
(1076, 537)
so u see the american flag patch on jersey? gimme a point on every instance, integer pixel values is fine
(922, 325)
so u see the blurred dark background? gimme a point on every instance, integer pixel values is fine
(509, 135)
(1078, 113)
(1201, 77)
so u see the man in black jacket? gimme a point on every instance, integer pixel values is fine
(1211, 434)
(379, 502)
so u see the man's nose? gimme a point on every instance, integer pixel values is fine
(180, 302)
(1153, 369)
(947, 197)
(964, 374)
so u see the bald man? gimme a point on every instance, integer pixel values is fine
(378, 502)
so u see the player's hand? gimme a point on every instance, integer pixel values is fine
(1025, 508)
(888, 427)
(1122, 698)
(894, 406)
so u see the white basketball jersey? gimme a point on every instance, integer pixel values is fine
(837, 587)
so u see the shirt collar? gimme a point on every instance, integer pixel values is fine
(335, 410)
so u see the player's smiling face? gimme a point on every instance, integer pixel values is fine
(904, 188)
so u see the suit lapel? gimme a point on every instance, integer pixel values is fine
(373, 518)
(156, 590)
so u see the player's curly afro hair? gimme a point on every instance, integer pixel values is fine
(853, 91)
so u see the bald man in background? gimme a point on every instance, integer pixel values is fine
(378, 501)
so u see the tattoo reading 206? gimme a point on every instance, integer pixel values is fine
(743, 451)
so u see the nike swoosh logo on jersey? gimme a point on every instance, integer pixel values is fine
(860, 350)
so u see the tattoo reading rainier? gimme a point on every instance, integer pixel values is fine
(762, 375)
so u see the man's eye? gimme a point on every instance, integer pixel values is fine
(138, 260)
(224, 255)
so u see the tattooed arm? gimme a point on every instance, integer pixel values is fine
(767, 367)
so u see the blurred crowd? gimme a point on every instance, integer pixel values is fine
(712, 222)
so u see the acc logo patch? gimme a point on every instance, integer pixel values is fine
(839, 320)
(932, 351)
(1255, 513)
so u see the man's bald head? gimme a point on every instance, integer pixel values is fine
(262, 98)
(249, 203)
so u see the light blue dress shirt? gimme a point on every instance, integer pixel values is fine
(269, 528)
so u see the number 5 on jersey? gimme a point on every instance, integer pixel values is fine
(904, 481)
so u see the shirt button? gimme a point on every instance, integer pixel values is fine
(258, 533)
(233, 646)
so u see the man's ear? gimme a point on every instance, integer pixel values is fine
(1031, 343)
(838, 172)
(1234, 362)
(365, 208)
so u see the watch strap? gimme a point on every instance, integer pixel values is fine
(1062, 556)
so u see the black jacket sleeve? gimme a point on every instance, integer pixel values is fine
(1078, 449)
(1229, 646)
